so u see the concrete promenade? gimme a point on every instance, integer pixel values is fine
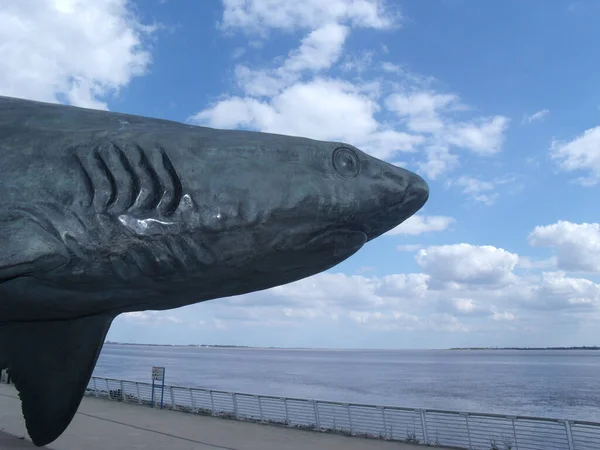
(109, 425)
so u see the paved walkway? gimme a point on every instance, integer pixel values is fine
(8, 441)
(109, 425)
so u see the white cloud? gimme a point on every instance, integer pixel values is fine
(558, 292)
(261, 83)
(480, 190)
(466, 305)
(259, 16)
(417, 301)
(580, 154)
(432, 114)
(484, 136)
(448, 323)
(422, 109)
(235, 111)
(529, 263)
(439, 160)
(324, 109)
(152, 317)
(391, 67)
(317, 52)
(80, 50)
(485, 191)
(296, 96)
(577, 245)
(419, 224)
(411, 285)
(358, 62)
(424, 112)
(463, 289)
(537, 116)
(465, 263)
(338, 289)
(503, 316)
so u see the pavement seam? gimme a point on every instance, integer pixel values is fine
(144, 429)
(157, 432)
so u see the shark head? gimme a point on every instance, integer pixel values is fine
(148, 214)
(300, 206)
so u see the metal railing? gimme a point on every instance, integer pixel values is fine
(474, 431)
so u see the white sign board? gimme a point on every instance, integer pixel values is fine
(158, 373)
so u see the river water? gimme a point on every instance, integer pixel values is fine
(546, 383)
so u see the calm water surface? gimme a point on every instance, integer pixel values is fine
(562, 384)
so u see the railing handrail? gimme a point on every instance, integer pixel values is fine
(370, 405)
(472, 430)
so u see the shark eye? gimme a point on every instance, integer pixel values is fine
(346, 162)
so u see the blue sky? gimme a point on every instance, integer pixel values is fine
(496, 104)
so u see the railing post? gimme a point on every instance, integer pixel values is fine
(515, 434)
(95, 387)
(569, 432)
(212, 402)
(384, 423)
(350, 419)
(287, 413)
(137, 389)
(107, 388)
(423, 414)
(235, 405)
(468, 431)
(317, 420)
(262, 418)
(121, 387)
(173, 405)
(192, 401)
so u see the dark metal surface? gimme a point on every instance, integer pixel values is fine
(103, 213)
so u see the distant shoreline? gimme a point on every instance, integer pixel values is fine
(527, 348)
(247, 347)
(241, 347)
(181, 345)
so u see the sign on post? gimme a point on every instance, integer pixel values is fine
(158, 374)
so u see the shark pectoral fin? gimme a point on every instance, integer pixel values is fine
(51, 364)
(27, 248)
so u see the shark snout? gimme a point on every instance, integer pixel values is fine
(402, 194)
(405, 189)
(416, 193)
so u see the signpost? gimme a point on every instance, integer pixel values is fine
(158, 374)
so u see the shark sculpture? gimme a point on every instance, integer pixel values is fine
(104, 213)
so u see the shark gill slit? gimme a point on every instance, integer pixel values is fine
(135, 179)
(104, 169)
(87, 180)
(156, 186)
(172, 206)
